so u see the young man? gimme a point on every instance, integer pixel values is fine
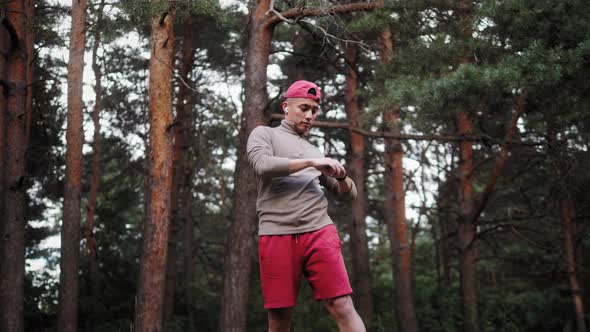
(296, 235)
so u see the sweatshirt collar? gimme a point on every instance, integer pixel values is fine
(289, 127)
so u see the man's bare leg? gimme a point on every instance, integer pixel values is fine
(342, 309)
(279, 319)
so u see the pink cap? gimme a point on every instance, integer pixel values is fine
(304, 89)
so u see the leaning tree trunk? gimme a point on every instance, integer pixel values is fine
(70, 234)
(150, 293)
(13, 242)
(91, 246)
(359, 249)
(568, 213)
(243, 230)
(395, 210)
(183, 124)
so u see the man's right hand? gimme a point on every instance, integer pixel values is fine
(329, 167)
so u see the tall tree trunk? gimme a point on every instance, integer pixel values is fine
(187, 171)
(467, 230)
(29, 45)
(444, 219)
(183, 123)
(243, 230)
(5, 42)
(70, 234)
(468, 254)
(13, 246)
(567, 218)
(395, 210)
(188, 242)
(568, 213)
(91, 246)
(359, 249)
(150, 293)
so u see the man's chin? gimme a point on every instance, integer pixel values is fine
(302, 129)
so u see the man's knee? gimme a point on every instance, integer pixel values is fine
(340, 307)
(279, 319)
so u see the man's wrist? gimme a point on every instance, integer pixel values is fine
(342, 178)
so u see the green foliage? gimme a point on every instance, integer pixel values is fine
(147, 9)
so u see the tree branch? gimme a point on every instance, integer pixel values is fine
(299, 12)
(500, 160)
(383, 134)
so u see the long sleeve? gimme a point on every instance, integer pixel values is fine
(260, 154)
(332, 185)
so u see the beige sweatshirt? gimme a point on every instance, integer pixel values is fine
(289, 203)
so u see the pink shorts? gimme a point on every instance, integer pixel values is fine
(285, 258)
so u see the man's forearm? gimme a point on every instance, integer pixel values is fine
(345, 185)
(296, 165)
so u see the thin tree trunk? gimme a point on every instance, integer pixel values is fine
(567, 217)
(395, 217)
(243, 230)
(395, 210)
(29, 45)
(568, 213)
(13, 246)
(150, 293)
(183, 123)
(468, 254)
(359, 249)
(91, 246)
(70, 234)
(467, 230)
(189, 245)
(445, 218)
(187, 171)
(5, 42)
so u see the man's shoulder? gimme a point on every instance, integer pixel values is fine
(266, 131)
(261, 135)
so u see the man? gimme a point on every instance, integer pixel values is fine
(296, 235)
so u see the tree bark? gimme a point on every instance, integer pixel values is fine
(243, 230)
(13, 246)
(467, 251)
(468, 254)
(188, 242)
(568, 213)
(70, 234)
(5, 42)
(567, 217)
(150, 293)
(29, 45)
(91, 247)
(395, 210)
(359, 249)
(187, 172)
(183, 124)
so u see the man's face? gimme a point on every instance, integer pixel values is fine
(302, 112)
